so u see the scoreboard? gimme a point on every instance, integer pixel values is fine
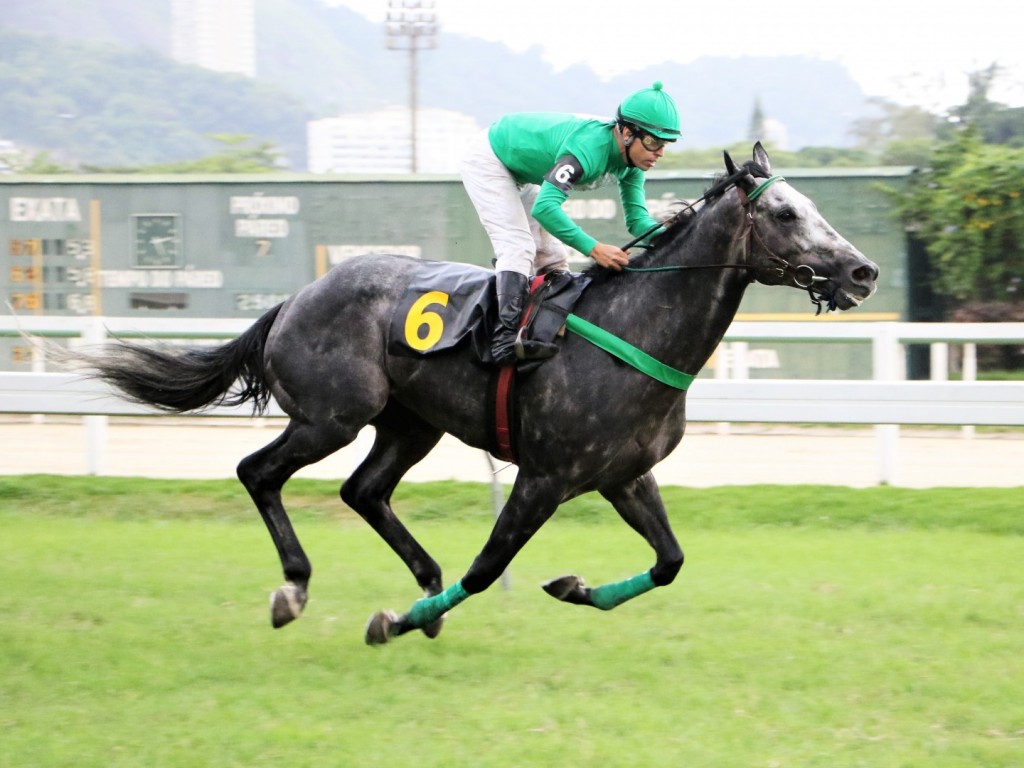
(236, 245)
(39, 262)
(208, 247)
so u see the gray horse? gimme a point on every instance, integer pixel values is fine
(586, 420)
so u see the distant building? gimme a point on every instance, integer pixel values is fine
(380, 142)
(215, 34)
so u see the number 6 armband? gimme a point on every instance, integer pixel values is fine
(566, 172)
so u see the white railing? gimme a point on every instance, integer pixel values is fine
(786, 401)
(885, 401)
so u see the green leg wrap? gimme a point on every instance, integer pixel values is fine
(607, 596)
(430, 609)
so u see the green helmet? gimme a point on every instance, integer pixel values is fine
(653, 111)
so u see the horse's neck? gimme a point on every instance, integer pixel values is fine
(679, 317)
(704, 309)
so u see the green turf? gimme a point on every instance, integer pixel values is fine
(809, 627)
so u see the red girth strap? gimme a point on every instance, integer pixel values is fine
(504, 395)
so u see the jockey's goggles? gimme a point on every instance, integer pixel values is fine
(652, 143)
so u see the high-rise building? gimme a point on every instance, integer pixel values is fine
(216, 34)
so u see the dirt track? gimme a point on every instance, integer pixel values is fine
(211, 448)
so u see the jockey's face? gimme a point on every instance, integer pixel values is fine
(645, 149)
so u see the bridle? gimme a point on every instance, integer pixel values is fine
(801, 276)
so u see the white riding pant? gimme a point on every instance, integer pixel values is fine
(503, 205)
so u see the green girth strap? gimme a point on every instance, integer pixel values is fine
(626, 352)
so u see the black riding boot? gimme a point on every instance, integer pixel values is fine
(513, 289)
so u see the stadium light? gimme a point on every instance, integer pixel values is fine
(411, 26)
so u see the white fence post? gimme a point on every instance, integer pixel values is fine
(739, 368)
(939, 361)
(970, 373)
(885, 351)
(740, 360)
(94, 333)
(723, 359)
(38, 366)
(497, 504)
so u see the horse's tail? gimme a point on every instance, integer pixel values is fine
(191, 379)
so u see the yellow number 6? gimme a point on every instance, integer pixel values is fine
(418, 317)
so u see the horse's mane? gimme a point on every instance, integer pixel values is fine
(720, 184)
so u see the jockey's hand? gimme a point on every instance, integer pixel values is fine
(609, 256)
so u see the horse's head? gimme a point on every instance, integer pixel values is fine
(791, 243)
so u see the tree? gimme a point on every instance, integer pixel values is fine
(105, 106)
(968, 210)
(914, 152)
(35, 164)
(892, 123)
(996, 123)
(238, 155)
(756, 130)
(978, 106)
(808, 157)
(1005, 126)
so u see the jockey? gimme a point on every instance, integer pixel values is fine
(521, 170)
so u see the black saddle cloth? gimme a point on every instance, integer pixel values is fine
(447, 305)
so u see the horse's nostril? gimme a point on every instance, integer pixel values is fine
(866, 274)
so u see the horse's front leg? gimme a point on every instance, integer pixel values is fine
(530, 505)
(640, 505)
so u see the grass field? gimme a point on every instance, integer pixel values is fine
(810, 626)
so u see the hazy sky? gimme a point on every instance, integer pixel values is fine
(905, 50)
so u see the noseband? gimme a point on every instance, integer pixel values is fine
(802, 276)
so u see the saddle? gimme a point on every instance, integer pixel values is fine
(449, 305)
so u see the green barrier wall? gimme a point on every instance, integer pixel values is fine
(233, 246)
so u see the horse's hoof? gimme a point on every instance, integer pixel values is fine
(286, 604)
(378, 628)
(564, 587)
(433, 629)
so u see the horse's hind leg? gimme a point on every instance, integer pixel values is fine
(639, 504)
(263, 474)
(402, 440)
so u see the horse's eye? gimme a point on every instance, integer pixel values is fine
(785, 214)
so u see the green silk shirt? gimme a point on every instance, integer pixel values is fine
(532, 144)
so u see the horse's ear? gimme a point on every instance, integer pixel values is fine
(741, 179)
(730, 166)
(761, 157)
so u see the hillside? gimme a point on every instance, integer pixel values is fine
(105, 62)
(110, 106)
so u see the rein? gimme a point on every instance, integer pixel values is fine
(802, 275)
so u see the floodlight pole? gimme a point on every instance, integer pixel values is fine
(411, 26)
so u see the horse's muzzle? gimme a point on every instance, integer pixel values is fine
(857, 283)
